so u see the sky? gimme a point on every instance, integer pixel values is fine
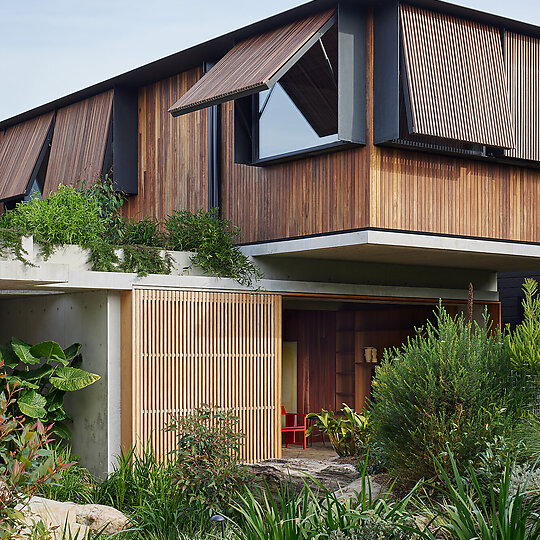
(50, 49)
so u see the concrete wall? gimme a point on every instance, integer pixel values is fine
(93, 319)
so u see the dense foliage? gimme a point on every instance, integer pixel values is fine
(348, 431)
(451, 386)
(43, 374)
(25, 464)
(524, 342)
(91, 217)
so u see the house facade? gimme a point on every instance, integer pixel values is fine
(377, 156)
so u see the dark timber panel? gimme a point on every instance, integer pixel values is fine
(79, 142)
(173, 152)
(510, 286)
(20, 148)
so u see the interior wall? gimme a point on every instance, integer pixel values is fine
(92, 319)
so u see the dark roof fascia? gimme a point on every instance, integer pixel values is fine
(215, 48)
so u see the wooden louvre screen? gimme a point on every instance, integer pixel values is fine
(254, 64)
(522, 57)
(192, 348)
(79, 142)
(455, 79)
(20, 148)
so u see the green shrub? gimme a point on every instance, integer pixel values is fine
(524, 342)
(143, 232)
(66, 217)
(208, 472)
(25, 464)
(452, 385)
(528, 434)
(211, 238)
(348, 431)
(44, 373)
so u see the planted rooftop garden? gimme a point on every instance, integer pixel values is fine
(91, 217)
(452, 435)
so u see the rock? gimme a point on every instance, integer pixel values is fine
(77, 518)
(98, 517)
(355, 487)
(297, 472)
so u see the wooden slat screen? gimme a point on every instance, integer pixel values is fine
(522, 57)
(19, 151)
(455, 79)
(79, 142)
(192, 348)
(252, 65)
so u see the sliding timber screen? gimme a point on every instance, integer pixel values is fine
(79, 142)
(20, 148)
(455, 79)
(522, 56)
(191, 348)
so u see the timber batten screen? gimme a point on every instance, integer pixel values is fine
(197, 347)
(522, 56)
(79, 142)
(20, 148)
(455, 79)
(254, 64)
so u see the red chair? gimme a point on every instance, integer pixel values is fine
(292, 427)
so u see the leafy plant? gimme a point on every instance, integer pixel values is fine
(524, 342)
(66, 217)
(145, 231)
(44, 373)
(501, 514)
(25, 464)
(528, 433)
(348, 431)
(451, 386)
(207, 457)
(211, 238)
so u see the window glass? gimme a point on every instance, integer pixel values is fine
(300, 112)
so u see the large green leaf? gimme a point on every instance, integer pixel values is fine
(21, 383)
(62, 431)
(72, 351)
(59, 415)
(55, 400)
(22, 350)
(11, 360)
(50, 350)
(71, 379)
(35, 374)
(32, 404)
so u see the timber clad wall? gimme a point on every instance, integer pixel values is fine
(79, 142)
(193, 348)
(307, 196)
(173, 152)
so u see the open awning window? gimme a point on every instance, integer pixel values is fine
(20, 150)
(256, 64)
(523, 75)
(79, 143)
(455, 85)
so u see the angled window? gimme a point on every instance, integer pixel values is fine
(296, 88)
(522, 58)
(23, 149)
(453, 80)
(79, 143)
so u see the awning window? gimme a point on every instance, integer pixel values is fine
(79, 142)
(20, 149)
(455, 82)
(255, 64)
(522, 56)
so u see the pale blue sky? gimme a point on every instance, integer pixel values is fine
(55, 47)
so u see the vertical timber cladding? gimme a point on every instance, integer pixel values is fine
(199, 347)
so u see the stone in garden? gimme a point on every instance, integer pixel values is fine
(78, 518)
(330, 474)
